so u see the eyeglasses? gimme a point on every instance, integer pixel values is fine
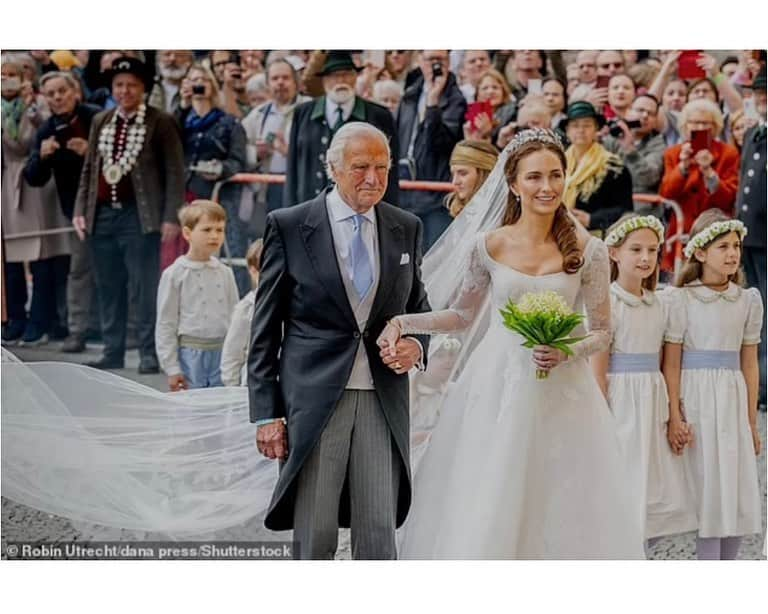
(583, 66)
(612, 64)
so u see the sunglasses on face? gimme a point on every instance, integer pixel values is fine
(612, 64)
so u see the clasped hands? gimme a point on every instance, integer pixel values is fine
(398, 353)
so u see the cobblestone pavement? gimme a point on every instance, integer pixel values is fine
(21, 523)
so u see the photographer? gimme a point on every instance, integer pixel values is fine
(62, 142)
(702, 172)
(229, 74)
(640, 145)
(214, 149)
(429, 124)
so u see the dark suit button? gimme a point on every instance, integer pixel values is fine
(356, 335)
(365, 334)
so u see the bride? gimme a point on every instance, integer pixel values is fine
(511, 467)
(518, 467)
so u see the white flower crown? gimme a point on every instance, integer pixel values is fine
(541, 135)
(711, 232)
(622, 230)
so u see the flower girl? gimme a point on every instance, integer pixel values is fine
(710, 364)
(630, 375)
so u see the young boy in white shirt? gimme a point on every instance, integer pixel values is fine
(236, 345)
(195, 299)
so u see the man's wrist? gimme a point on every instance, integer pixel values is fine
(265, 421)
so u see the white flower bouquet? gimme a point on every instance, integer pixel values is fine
(543, 318)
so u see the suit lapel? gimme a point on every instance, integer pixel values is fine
(391, 247)
(318, 240)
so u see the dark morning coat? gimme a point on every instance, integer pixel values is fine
(310, 138)
(304, 336)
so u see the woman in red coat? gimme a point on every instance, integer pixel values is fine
(699, 175)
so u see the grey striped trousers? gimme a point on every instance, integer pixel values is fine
(356, 441)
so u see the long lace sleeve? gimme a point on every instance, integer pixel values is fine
(464, 307)
(596, 282)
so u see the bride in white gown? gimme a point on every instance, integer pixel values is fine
(514, 468)
(518, 467)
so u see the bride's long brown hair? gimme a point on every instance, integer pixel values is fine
(563, 226)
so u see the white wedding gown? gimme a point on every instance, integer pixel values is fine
(520, 468)
(515, 468)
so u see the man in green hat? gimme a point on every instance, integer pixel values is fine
(315, 123)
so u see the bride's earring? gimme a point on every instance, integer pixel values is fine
(517, 197)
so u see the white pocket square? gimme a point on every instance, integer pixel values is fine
(405, 259)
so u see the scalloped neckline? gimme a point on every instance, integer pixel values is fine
(514, 270)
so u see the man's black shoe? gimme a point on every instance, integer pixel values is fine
(148, 364)
(106, 363)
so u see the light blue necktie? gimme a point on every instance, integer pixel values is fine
(362, 273)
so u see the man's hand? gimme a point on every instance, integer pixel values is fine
(169, 231)
(78, 145)
(48, 147)
(436, 89)
(627, 139)
(177, 382)
(272, 440)
(280, 145)
(233, 77)
(582, 217)
(80, 227)
(406, 354)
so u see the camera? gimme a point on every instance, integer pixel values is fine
(198, 90)
(614, 129)
(437, 70)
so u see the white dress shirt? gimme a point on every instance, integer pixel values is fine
(194, 298)
(330, 110)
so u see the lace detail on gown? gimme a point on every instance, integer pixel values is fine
(463, 309)
(595, 287)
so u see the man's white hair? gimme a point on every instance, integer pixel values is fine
(348, 132)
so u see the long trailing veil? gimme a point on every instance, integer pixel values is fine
(97, 448)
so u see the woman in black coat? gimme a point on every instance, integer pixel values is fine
(214, 150)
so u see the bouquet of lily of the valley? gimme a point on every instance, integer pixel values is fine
(543, 318)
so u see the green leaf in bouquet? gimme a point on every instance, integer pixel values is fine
(571, 340)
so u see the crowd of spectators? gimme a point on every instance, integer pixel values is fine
(689, 126)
